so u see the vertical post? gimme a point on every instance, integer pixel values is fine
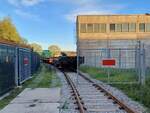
(108, 73)
(119, 58)
(108, 53)
(77, 48)
(77, 62)
(136, 49)
(142, 59)
(108, 70)
(139, 61)
(16, 66)
(95, 58)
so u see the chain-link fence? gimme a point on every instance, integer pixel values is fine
(131, 62)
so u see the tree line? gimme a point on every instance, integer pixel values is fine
(9, 32)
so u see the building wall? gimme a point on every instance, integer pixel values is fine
(110, 19)
(98, 42)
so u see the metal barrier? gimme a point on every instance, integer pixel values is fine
(130, 61)
(125, 57)
(35, 62)
(7, 68)
(16, 65)
(24, 55)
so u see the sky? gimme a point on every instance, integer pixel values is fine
(49, 22)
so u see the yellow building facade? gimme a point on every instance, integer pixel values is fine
(113, 26)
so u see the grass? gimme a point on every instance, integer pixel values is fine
(44, 78)
(114, 76)
(137, 92)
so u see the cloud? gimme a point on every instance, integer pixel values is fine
(27, 15)
(31, 2)
(13, 2)
(74, 2)
(18, 3)
(72, 16)
(93, 7)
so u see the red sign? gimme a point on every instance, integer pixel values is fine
(108, 62)
(26, 61)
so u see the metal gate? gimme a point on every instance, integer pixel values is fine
(35, 62)
(7, 68)
(24, 55)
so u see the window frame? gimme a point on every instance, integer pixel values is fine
(126, 27)
(81, 28)
(130, 26)
(89, 30)
(147, 27)
(116, 27)
(96, 28)
(112, 25)
(103, 25)
(140, 27)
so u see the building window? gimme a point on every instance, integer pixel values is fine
(125, 27)
(118, 27)
(96, 28)
(112, 27)
(148, 27)
(142, 27)
(102, 28)
(83, 28)
(89, 28)
(132, 27)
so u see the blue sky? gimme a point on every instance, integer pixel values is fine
(48, 22)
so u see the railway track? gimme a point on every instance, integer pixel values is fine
(92, 98)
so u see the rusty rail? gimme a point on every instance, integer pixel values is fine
(76, 94)
(121, 104)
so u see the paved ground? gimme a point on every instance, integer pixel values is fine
(38, 100)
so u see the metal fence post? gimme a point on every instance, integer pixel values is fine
(95, 58)
(16, 67)
(78, 54)
(139, 61)
(142, 59)
(119, 58)
(136, 69)
(108, 53)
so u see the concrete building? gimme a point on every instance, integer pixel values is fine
(119, 33)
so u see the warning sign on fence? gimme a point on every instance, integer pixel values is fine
(26, 61)
(109, 62)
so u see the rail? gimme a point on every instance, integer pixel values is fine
(121, 104)
(76, 94)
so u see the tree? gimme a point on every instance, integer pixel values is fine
(24, 41)
(8, 31)
(55, 50)
(46, 54)
(36, 47)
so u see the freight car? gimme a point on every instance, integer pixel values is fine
(17, 63)
(50, 60)
(68, 62)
